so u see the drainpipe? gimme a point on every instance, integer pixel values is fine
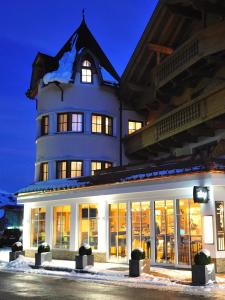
(61, 90)
(121, 132)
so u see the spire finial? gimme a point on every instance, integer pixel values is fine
(83, 14)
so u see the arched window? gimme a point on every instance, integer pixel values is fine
(86, 72)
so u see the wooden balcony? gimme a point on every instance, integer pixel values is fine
(161, 135)
(205, 43)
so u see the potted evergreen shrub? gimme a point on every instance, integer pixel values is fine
(44, 254)
(17, 250)
(203, 271)
(85, 257)
(136, 263)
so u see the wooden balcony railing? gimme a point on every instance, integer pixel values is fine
(209, 105)
(206, 42)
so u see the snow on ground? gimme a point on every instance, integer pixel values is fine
(117, 274)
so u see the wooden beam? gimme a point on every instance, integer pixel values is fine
(186, 12)
(215, 9)
(161, 49)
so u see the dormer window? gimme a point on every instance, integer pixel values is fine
(86, 72)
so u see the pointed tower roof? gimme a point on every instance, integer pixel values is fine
(81, 38)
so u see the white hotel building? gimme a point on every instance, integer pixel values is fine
(87, 190)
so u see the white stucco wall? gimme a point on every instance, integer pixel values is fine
(88, 99)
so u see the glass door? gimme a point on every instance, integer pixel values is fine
(118, 232)
(140, 216)
(189, 230)
(164, 231)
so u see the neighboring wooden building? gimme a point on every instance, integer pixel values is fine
(176, 77)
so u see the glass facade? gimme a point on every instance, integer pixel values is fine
(88, 229)
(140, 218)
(37, 226)
(61, 227)
(118, 231)
(175, 230)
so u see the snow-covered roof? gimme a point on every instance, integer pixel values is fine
(7, 199)
(65, 70)
(125, 174)
(60, 67)
(51, 185)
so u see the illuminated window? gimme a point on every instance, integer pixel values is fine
(89, 225)
(61, 228)
(43, 171)
(86, 72)
(70, 122)
(44, 125)
(134, 126)
(69, 169)
(37, 226)
(62, 122)
(102, 124)
(99, 165)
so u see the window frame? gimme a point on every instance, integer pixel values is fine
(69, 122)
(68, 168)
(135, 121)
(42, 173)
(103, 124)
(44, 126)
(86, 68)
(102, 162)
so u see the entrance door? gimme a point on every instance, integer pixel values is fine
(189, 230)
(164, 231)
(118, 232)
(140, 232)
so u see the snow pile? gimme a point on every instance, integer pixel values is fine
(19, 264)
(6, 199)
(65, 70)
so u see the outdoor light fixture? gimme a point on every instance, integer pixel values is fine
(208, 229)
(201, 194)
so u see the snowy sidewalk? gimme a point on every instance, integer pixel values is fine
(117, 274)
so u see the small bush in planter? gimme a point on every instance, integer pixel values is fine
(136, 263)
(85, 249)
(18, 246)
(202, 258)
(85, 257)
(203, 272)
(43, 254)
(138, 254)
(17, 250)
(44, 247)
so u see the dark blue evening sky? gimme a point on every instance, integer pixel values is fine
(28, 26)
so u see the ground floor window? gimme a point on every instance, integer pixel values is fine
(189, 230)
(88, 230)
(37, 226)
(118, 230)
(140, 214)
(61, 235)
(164, 231)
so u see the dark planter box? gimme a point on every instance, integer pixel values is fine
(81, 261)
(202, 275)
(40, 258)
(135, 267)
(15, 255)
